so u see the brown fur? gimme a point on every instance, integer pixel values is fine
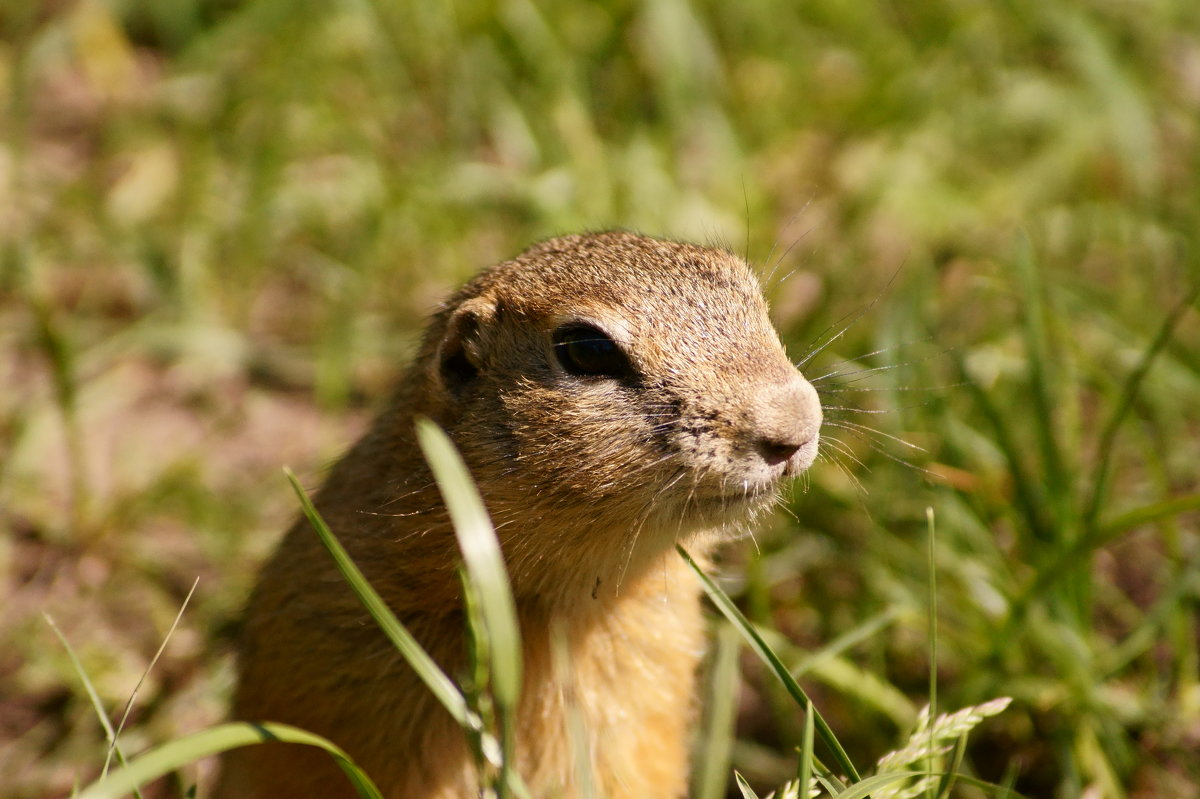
(590, 482)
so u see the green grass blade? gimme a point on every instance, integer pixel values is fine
(1027, 493)
(481, 553)
(145, 673)
(804, 772)
(1129, 392)
(866, 687)
(855, 635)
(1004, 789)
(1044, 419)
(576, 729)
(477, 680)
(430, 673)
(1145, 515)
(486, 570)
(831, 786)
(712, 773)
(864, 788)
(726, 606)
(946, 783)
(1096, 537)
(1171, 606)
(93, 696)
(744, 787)
(171, 756)
(932, 566)
(1099, 536)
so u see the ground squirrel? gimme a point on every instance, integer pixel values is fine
(612, 395)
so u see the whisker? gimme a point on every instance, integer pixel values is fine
(875, 446)
(848, 409)
(640, 522)
(882, 350)
(783, 257)
(746, 206)
(843, 449)
(784, 502)
(846, 389)
(862, 428)
(859, 374)
(775, 244)
(863, 312)
(862, 489)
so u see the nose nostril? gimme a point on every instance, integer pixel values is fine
(783, 422)
(776, 451)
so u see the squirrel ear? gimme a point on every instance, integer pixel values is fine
(460, 354)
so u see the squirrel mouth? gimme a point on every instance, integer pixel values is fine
(732, 500)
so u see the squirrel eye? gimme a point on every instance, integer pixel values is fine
(586, 351)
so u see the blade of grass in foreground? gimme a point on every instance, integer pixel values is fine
(426, 668)
(804, 771)
(97, 705)
(430, 673)
(726, 606)
(576, 730)
(744, 787)
(149, 667)
(864, 788)
(481, 553)
(171, 756)
(712, 770)
(932, 566)
(486, 571)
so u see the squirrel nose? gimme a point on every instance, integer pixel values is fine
(778, 451)
(786, 418)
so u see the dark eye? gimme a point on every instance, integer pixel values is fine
(584, 350)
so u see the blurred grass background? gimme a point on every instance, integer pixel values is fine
(223, 222)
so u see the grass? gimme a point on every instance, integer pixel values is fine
(221, 224)
(485, 711)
